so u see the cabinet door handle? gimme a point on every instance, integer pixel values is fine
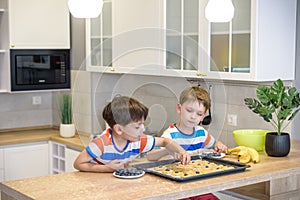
(200, 74)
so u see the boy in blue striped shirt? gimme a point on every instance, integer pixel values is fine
(192, 107)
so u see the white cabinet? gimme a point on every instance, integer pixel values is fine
(31, 24)
(71, 155)
(4, 43)
(57, 158)
(35, 159)
(1, 165)
(138, 34)
(26, 160)
(137, 37)
(257, 45)
(99, 38)
(230, 42)
(186, 37)
(35, 24)
(62, 158)
(173, 38)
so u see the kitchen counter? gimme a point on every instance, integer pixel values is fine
(38, 135)
(281, 175)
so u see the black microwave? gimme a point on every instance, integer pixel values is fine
(40, 69)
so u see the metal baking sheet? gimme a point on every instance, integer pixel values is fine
(149, 168)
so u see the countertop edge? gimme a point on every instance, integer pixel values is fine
(11, 193)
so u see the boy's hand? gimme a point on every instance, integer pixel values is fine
(179, 153)
(220, 147)
(184, 157)
(116, 164)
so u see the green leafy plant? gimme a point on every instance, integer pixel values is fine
(66, 108)
(275, 104)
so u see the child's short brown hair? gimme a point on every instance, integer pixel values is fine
(124, 110)
(196, 94)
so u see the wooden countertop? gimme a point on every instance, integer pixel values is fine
(38, 135)
(84, 185)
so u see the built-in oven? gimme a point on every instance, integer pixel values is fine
(40, 69)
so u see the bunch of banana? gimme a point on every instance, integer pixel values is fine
(244, 154)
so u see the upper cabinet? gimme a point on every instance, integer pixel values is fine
(186, 38)
(134, 40)
(99, 43)
(230, 42)
(258, 44)
(173, 38)
(31, 24)
(35, 24)
(138, 35)
(182, 34)
(4, 43)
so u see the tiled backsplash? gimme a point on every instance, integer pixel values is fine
(161, 95)
(17, 110)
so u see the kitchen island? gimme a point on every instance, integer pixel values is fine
(280, 175)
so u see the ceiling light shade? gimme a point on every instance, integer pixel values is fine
(219, 10)
(85, 8)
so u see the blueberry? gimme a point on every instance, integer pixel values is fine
(212, 154)
(128, 172)
(216, 154)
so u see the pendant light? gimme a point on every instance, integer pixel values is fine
(85, 8)
(219, 10)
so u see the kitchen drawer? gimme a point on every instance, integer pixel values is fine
(34, 160)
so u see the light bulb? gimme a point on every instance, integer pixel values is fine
(219, 10)
(85, 8)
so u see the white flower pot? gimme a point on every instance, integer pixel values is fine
(67, 130)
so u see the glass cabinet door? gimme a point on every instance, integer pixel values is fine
(101, 37)
(241, 27)
(220, 46)
(230, 42)
(182, 34)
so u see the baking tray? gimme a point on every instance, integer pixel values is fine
(149, 168)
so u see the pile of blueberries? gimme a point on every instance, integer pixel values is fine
(128, 172)
(211, 154)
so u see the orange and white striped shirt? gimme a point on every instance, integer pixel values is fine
(103, 149)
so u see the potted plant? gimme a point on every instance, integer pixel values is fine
(277, 105)
(67, 128)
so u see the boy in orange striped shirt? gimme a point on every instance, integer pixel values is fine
(124, 140)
